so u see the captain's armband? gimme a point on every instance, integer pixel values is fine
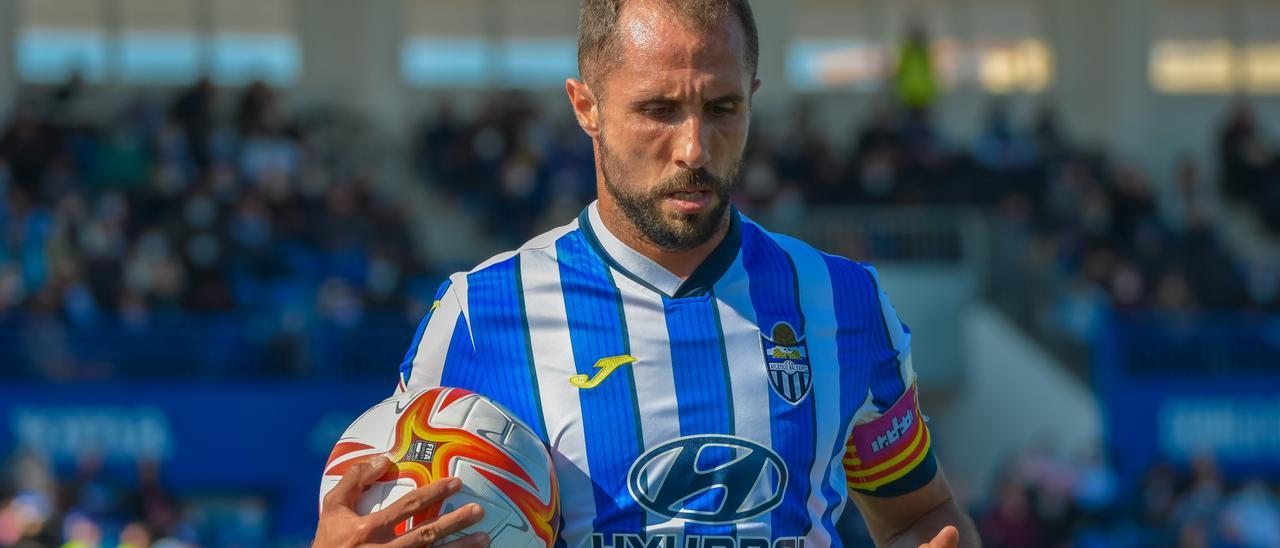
(892, 454)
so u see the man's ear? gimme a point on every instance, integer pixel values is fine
(755, 86)
(585, 106)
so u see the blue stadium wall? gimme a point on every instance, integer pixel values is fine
(265, 441)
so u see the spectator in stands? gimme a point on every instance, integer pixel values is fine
(915, 82)
(194, 113)
(1051, 141)
(1243, 154)
(1190, 202)
(1010, 523)
(1199, 504)
(1134, 223)
(256, 112)
(134, 535)
(152, 505)
(999, 147)
(26, 146)
(877, 156)
(1251, 516)
(1250, 165)
(440, 147)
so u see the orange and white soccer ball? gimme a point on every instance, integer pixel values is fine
(450, 432)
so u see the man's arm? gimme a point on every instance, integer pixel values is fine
(890, 467)
(927, 517)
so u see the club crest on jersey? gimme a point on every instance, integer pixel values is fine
(786, 357)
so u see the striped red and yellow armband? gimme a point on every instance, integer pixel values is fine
(891, 455)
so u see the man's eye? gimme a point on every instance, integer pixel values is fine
(658, 112)
(723, 110)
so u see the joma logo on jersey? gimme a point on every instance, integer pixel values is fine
(896, 430)
(786, 359)
(606, 366)
(712, 479)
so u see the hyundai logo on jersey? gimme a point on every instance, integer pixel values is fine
(787, 358)
(708, 479)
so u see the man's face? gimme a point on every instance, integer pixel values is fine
(673, 114)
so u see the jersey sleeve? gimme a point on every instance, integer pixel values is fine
(442, 340)
(889, 451)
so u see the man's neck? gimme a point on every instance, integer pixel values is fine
(681, 263)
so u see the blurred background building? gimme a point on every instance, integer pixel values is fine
(221, 221)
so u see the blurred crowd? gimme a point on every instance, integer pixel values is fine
(196, 203)
(97, 504)
(1146, 243)
(179, 206)
(217, 202)
(1043, 500)
(514, 168)
(200, 202)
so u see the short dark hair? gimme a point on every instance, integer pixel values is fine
(598, 41)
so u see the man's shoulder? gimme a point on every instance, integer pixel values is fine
(495, 274)
(837, 265)
(537, 243)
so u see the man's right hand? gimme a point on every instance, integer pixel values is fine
(341, 527)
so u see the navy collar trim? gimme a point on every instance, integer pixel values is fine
(703, 278)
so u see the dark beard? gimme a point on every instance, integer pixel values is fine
(644, 210)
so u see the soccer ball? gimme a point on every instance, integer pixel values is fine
(450, 432)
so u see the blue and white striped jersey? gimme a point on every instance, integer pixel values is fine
(735, 408)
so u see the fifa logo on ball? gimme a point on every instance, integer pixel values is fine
(421, 451)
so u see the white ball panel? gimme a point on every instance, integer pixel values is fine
(391, 492)
(372, 499)
(453, 415)
(531, 455)
(488, 421)
(371, 428)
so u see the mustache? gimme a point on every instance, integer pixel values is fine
(695, 179)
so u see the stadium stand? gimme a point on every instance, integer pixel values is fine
(173, 219)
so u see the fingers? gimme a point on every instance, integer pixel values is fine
(448, 524)
(416, 501)
(354, 483)
(948, 537)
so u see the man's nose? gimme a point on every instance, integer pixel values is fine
(692, 151)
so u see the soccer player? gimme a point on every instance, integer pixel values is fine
(700, 381)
